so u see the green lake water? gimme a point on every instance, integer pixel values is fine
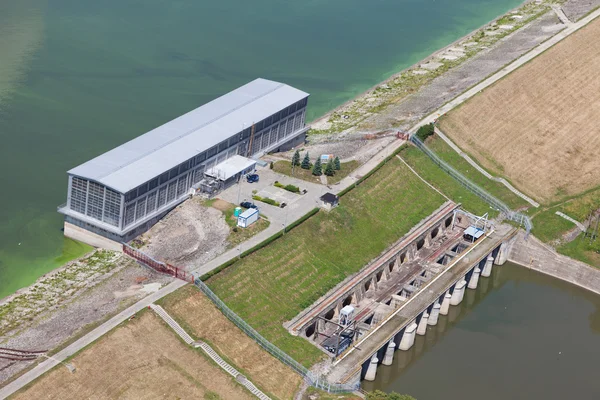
(521, 335)
(78, 77)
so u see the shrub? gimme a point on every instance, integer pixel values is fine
(266, 200)
(336, 164)
(292, 188)
(425, 131)
(271, 165)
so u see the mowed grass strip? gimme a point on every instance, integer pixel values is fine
(274, 284)
(496, 189)
(433, 174)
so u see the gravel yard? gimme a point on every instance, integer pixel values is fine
(188, 236)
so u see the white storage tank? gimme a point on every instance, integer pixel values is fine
(248, 217)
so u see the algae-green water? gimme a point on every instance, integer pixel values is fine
(78, 77)
(521, 335)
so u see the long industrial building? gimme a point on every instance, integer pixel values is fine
(123, 192)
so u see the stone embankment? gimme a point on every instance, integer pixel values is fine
(531, 253)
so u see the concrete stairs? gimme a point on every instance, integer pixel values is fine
(171, 322)
(241, 379)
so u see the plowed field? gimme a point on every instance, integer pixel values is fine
(539, 126)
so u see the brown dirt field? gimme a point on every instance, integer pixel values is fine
(141, 360)
(539, 125)
(202, 319)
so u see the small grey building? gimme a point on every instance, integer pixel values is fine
(123, 192)
(329, 201)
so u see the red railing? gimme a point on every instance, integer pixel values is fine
(158, 266)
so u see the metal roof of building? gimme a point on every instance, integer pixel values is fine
(147, 156)
(230, 167)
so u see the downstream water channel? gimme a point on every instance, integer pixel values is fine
(78, 77)
(520, 335)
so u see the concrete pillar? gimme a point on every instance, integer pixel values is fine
(372, 370)
(502, 255)
(408, 339)
(435, 313)
(474, 278)
(445, 304)
(487, 269)
(458, 293)
(389, 353)
(422, 328)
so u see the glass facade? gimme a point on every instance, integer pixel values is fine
(155, 196)
(95, 201)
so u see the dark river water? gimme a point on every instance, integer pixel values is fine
(520, 335)
(78, 77)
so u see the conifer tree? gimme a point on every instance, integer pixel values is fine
(329, 171)
(317, 169)
(296, 159)
(306, 162)
(336, 164)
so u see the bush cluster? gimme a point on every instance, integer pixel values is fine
(425, 131)
(266, 200)
(289, 188)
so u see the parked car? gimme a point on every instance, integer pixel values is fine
(282, 205)
(252, 178)
(247, 204)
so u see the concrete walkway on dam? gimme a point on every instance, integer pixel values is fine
(533, 254)
(45, 366)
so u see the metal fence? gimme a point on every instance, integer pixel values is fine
(310, 377)
(519, 218)
(168, 269)
(159, 266)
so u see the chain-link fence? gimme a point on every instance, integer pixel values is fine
(310, 377)
(519, 218)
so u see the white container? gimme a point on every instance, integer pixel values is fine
(247, 218)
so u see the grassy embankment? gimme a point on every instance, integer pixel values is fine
(285, 168)
(549, 227)
(496, 189)
(274, 284)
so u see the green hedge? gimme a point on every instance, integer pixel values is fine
(260, 245)
(266, 200)
(302, 219)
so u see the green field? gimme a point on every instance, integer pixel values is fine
(273, 285)
(494, 188)
(429, 171)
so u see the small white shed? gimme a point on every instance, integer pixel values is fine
(248, 217)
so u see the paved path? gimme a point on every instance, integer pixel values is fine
(117, 319)
(508, 69)
(73, 348)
